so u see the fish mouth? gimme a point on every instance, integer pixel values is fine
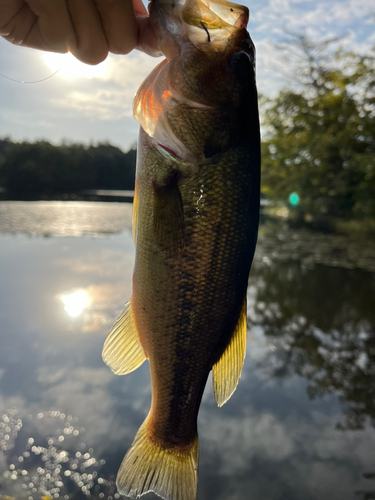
(214, 14)
(241, 21)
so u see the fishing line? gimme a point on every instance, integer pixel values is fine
(35, 81)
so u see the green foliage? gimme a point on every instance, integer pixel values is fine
(46, 169)
(320, 141)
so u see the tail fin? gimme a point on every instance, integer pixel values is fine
(148, 466)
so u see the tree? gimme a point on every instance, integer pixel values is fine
(319, 139)
(41, 168)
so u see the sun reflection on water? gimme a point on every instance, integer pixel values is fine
(75, 303)
(41, 467)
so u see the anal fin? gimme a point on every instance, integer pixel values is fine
(122, 350)
(227, 371)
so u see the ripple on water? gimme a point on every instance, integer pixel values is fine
(64, 218)
(54, 462)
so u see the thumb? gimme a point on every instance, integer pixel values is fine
(146, 37)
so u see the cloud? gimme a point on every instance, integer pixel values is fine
(81, 392)
(272, 456)
(104, 264)
(103, 304)
(320, 20)
(112, 96)
(250, 435)
(296, 15)
(101, 104)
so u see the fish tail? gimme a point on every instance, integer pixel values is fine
(171, 473)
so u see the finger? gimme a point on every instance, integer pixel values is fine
(146, 38)
(40, 25)
(92, 46)
(119, 23)
(18, 24)
(9, 10)
(139, 8)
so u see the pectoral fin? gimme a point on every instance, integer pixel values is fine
(227, 371)
(122, 351)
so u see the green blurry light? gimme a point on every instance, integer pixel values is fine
(294, 199)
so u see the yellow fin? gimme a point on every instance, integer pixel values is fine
(122, 351)
(227, 371)
(168, 472)
(135, 214)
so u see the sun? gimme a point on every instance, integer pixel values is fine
(70, 67)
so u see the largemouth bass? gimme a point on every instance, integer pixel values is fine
(195, 223)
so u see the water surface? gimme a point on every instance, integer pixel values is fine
(300, 424)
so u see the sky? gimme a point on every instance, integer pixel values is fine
(91, 104)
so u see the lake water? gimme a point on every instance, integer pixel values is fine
(301, 424)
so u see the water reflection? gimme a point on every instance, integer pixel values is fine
(75, 303)
(310, 358)
(320, 323)
(63, 218)
(59, 465)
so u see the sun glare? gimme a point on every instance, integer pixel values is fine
(75, 303)
(70, 67)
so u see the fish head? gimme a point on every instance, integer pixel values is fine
(202, 99)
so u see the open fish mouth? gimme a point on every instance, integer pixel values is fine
(216, 13)
(202, 21)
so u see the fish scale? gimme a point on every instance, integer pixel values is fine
(196, 213)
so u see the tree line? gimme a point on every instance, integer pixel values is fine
(318, 147)
(41, 168)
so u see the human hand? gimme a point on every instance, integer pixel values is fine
(89, 29)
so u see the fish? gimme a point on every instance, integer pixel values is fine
(195, 225)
